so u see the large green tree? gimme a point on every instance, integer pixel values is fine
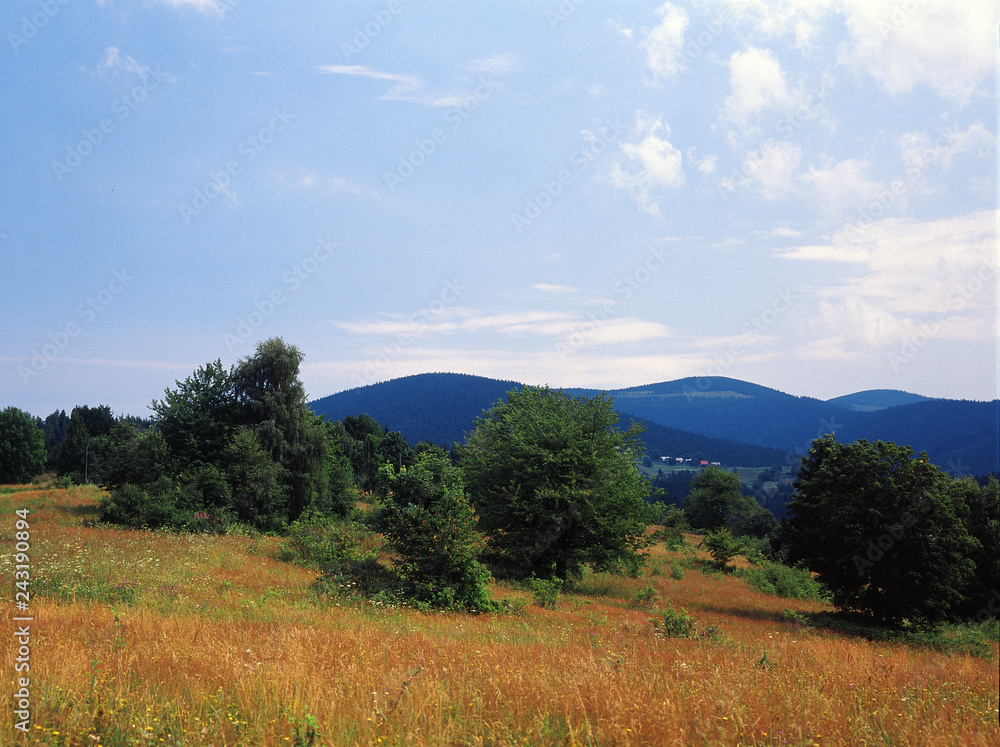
(198, 417)
(556, 486)
(716, 500)
(22, 446)
(272, 402)
(882, 530)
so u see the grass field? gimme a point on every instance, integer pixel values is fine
(151, 638)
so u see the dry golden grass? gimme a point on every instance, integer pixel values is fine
(152, 638)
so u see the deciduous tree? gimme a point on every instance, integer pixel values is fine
(556, 485)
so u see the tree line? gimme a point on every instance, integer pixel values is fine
(545, 485)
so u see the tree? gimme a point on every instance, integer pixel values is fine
(722, 547)
(982, 519)
(556, 485)
(258, 496)
(882, 530)
(22, 447)
(715, 500)
(431, 525)
(197, 418)
(272, 402)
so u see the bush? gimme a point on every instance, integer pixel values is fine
(546, 591)
(676, 572)
(782, 581)
(722, 547)
(432, 527)
(675, 624)
(150, 508)
(328, 545)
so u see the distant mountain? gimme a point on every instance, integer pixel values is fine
(437, 407)
(744, 423)
(960, 436)
(876, 399)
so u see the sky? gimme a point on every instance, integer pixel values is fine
(801, 194)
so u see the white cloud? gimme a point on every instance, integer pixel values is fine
(660, 163)
(757, 83)
(405, 87)
(664, 44)
(920, 150)
(772, 170)
(911, 275)
(840, 190)
(507, 62)
(116, 62)
(548, 288)
(949, 46)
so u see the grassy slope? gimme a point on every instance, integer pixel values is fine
(152, 638)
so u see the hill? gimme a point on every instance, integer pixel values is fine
(876, 399)
(436, 407)
(443, 407)
(962, 437)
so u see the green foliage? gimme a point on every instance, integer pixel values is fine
(782, 581)
(22, 447)
(432, 527)
(197, 419)
(334, 547)
(272, 403)
(676, 624)
(676, 572)
(149, 507)
(546, 591)
(259, 498)
(722, 547)
(980, 505)
(556, 484)
(882, 530)
(715, 500)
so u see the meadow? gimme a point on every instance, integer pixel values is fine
(155, 638)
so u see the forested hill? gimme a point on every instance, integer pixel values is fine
(442, 408)
(436, 407)
(962, 437)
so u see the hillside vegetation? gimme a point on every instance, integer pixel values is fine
(151, 637)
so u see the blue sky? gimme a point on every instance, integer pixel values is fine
(799, 194)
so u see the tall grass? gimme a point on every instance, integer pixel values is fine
(223, 644)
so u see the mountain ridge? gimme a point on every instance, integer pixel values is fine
(961, 436)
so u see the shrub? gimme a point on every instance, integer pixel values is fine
(432, 527)
(676, 572)
(675, 624)
(782, 581)
(722, 547)
(546, 591)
